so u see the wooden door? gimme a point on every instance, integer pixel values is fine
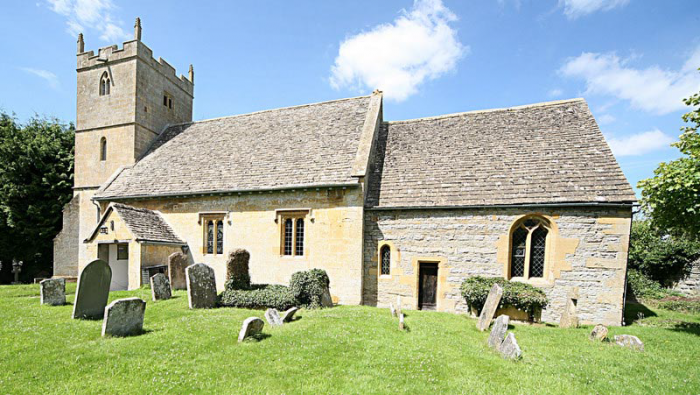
(428, 277)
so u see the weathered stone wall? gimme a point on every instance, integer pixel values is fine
(66, 243)
(586, 254)
(689, 283)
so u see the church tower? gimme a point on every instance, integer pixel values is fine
(125, 99)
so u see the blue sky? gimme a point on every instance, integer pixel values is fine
(632, 60)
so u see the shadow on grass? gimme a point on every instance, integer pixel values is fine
(258, 337)
(635, 311)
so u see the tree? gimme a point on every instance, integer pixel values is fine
(671, 199)
(36, 180)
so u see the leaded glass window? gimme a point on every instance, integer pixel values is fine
(220, 237)
(529, 249)
(539, 238)
(517, 268)
(385, 260)
(299, 245)
(288, 233)
(210, 237)
(104, 84)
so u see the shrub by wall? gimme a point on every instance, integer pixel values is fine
(522, 296)
(259, 296)
(308, 287)
(643, 287)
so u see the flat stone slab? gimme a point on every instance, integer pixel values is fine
(53, 291)
(177, 264)
(124, 317)
(251, 326)
(629, 341)
(93, 290)
(289, 314)
(509, 348)
(201, 286)
(273, 317)
(490, 307)
(498, 332)
(160, 287)
(599, 333)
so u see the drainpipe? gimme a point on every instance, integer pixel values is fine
(629, 244)
(98, 209)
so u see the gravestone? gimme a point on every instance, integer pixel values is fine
(629, 341)
(177, 263)
(509, 349)
(490, 307)
(289, 314)
(273, 317)
(393, 310)
(160, 287)
(53, 291)
(569, 319)
(124, 317)
(237, 269)
(326, 300)
(92, 291)
(201, 286)
(251, 326)
(401, 323)
(498, 332)
(600, 332)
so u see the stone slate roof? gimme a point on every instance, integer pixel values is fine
(146, 225)
(543, 153)
(309, 145)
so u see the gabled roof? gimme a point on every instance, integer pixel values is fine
(303, 146)
(543, 153)
(145, 225)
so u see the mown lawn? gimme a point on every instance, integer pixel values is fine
(341, 350)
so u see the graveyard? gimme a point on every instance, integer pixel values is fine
(344, 349)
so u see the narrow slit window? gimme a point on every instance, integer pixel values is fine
(385, 260)
(299, 245)
(103, 149)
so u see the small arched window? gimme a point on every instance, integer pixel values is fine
(299, 237)
(104, 84)
(385, 260)
(528, 248)
(103, 149)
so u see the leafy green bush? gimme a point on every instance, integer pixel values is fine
(308, 286)
(642, 287)
(683, 305)
(259, 296)
(522, 296)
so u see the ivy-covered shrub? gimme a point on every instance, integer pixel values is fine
(643, 287)
(308, 287)
(522, 296)
(237, 274)
(684, 305)
(259, 296)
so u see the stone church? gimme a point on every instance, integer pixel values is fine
(388, 208)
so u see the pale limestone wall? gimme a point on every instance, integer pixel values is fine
(333, 234)
(689, 283)
(587, 255)
(157, 254)
(66, 243)
(90, 171)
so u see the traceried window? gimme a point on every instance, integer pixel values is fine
(103, 149)
(385, 260)
(167, 101)
(293, 233)
(213, 229)
(104, 84)
(528, 248)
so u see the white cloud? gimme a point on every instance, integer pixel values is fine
(640, 143)
(556, 92)
(50, 77)
(578, 8)
(652, 89)
(90, 16)
(398, 57)
(606, 119)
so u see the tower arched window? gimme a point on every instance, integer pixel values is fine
(529, 248)
(385, 260)
(103, 149)
(104, 84)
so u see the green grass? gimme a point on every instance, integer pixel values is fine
(351, 349)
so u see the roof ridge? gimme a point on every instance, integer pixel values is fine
(268, 110)
(456, 114)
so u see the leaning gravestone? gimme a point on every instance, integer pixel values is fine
(251, 326)
(569, 319)
(326, 300)
(201, 286)
(160, 287)
(629, 341)
(289, 314)
(509, 348)
(124, 317)
(392, 309)
(498, 332)
(599, 333)
(92, 291)
(490, 307)
(273, 317)
(53, 291)
(177, 263)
